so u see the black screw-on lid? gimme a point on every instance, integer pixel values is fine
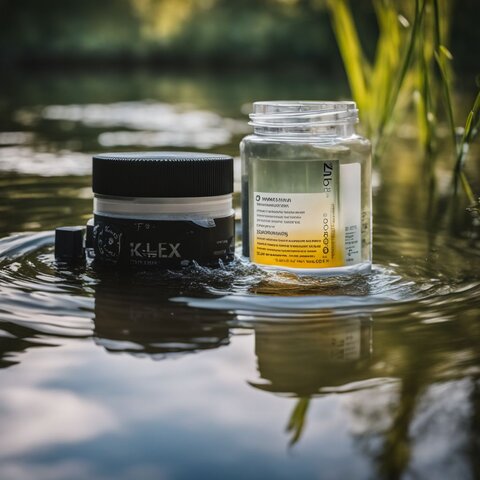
(162, 174)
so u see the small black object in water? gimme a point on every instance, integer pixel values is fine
(70, 244)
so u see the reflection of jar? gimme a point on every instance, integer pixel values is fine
(302, 358)
(162, 209)
(306, 188)
(137, 318)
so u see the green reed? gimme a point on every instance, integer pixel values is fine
(297, 420)
(378, 86)
(411, 62)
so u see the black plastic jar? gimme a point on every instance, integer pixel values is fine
(162, 209)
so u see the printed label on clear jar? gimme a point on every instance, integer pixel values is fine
(311, 230)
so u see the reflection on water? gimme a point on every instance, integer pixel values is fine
(150, 123)
(25, 159)
(382, 370)
(386, 383)
(137, 318)
(303, 360)
(16, 339)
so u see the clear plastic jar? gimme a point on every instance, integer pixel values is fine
(306, 188)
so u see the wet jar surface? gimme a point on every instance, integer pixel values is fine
(306, 181)
(162, 209)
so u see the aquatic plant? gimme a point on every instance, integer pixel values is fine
(470, 131)
(411, 65)
(297, 420)
(380, 86)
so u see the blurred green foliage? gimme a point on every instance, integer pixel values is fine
(403, 70)
(411, 66)
(225, 32)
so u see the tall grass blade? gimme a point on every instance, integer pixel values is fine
(445, 84)
(386, 61)
(467, 189)
(472, 123)
(348, 41)
(297, 420)
(470, 131)
(424, 99)
(406, 62)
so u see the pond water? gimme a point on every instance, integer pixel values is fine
(228, 372)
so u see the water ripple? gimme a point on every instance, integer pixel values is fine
(51, 299)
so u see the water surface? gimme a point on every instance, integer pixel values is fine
(230, 372)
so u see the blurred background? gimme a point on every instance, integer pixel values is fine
(83, 77)
(216, 34)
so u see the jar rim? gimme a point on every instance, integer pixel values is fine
(301, 113)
